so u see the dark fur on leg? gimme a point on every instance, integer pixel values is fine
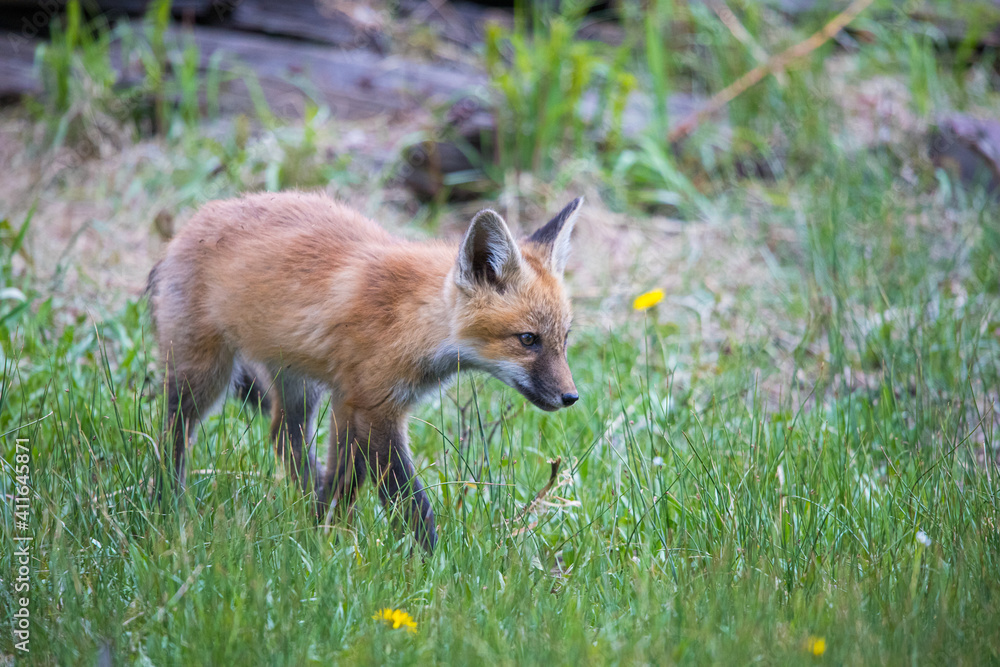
(399, 486)
(387, 454)
(250, 384)
(346, 469)
(293, 428)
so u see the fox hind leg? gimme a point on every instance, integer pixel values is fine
(196, 376)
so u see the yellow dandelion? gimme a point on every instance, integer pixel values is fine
(648, 300)
(397, 618)
(816, 646)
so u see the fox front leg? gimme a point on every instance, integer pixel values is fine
(384, 445)
(346, 469)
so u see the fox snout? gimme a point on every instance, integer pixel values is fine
(550, 402)
(550, 386)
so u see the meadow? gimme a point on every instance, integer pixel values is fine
(787, 457)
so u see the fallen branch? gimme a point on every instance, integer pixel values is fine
(180, 592)
(776, 63)
(730, 20)
(556, 462)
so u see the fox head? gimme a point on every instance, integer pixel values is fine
(513, 315)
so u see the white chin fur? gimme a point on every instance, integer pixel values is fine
(510, 374)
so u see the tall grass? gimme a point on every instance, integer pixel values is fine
(103, 84)
(542, 76)
(548, 85)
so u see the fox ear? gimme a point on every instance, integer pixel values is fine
(489, 253)
(553, 238)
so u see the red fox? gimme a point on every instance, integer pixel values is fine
(326, 300)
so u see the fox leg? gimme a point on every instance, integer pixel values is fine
(252, 385)
(295, 401)
(385, 447)
(195, 379)
(345, 469)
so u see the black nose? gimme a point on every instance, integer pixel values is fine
(570, 399)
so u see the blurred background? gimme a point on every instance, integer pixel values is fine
(120, 117)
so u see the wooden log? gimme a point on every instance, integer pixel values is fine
(322, 23)
(354, 84)
(10, 8)
(17, 78)
(311, 20)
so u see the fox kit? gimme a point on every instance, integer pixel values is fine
(326, 300)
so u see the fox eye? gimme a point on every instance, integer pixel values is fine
(528, 339)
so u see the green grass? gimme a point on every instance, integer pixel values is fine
(809, 455)
(692, 521)
(105, 84)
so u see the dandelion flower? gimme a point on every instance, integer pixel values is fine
(816, 646)
(648, 300)
(397, 618)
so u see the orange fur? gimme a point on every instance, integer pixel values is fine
(321, 298)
